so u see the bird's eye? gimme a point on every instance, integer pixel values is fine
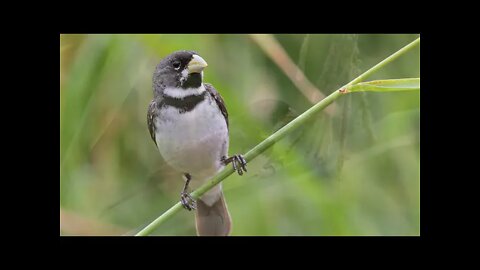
(176, 65)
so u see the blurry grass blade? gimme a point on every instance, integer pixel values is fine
(386, 85)
(303, 53)
(80, 92)
(272, 48)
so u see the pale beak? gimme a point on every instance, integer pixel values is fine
(196, 65)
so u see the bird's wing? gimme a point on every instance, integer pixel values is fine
(152, 112)
(218, 99)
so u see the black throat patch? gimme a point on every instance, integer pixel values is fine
(184, 104)
(194, 80)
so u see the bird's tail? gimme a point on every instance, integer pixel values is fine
(214, 219)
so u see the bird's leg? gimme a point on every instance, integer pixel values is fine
(238, 161)
(187, 201)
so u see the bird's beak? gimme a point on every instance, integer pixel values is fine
(196, 65)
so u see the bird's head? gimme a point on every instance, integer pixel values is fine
(181, 69)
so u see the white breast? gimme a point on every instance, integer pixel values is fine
(193, 142)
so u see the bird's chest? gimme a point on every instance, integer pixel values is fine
(192, 141)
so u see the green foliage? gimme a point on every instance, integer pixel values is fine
(111, 171)
(385, 85)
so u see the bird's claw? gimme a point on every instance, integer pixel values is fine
(238, 162)
(188, 202)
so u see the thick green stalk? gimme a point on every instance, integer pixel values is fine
(268, 142)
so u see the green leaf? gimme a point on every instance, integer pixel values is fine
(384, 85)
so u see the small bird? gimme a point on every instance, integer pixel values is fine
(188, 121)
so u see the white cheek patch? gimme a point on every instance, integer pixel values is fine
(181, 93)
(184, 76)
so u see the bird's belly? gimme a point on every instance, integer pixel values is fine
(193, 142)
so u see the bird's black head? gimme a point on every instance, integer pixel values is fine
(181, 69)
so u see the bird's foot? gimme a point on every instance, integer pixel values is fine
(238, 161)
(188, 202)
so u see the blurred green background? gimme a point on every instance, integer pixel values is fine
(353, 172)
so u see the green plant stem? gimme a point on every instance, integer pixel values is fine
(384, 62)
(275, 137)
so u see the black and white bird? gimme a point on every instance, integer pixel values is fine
(188, 121)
